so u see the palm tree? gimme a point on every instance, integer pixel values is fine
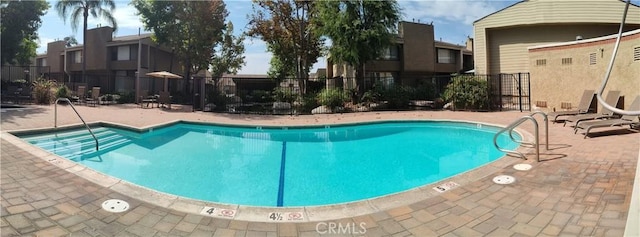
(85, 7)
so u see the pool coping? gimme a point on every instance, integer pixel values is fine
(266, 214)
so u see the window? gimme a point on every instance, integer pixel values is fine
(77, 56)
(390, 53)
(381, 79)
(541, 62)
(124, 53)
(636, 53)
(42, 62)
(447, 56)
(567, 61)
(592, 58)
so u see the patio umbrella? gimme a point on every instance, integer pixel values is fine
(166, 75)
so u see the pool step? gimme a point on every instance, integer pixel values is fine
(75, 145)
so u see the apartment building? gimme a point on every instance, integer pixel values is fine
(502, 38)
(415, 56)
(116, 64)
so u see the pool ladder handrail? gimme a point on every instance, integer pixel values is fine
(55, 119)
(535, 144)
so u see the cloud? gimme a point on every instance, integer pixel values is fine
(125, 16)
(257, 63)
(461, 11)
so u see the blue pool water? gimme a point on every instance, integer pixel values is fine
(281, 166)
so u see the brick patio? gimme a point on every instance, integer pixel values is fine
(583, 188)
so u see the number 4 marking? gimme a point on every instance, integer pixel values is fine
(210, 211)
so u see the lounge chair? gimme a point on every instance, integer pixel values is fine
(147, 100)
(612, 99)
(165, 99)
(95, 97)
(631, 120)
(583, 107)
(80, 95)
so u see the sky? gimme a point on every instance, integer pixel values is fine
(452, 19)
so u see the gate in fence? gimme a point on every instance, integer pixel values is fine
(510, 92)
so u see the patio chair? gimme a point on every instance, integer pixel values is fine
(11, 94)
(583, 107)
(80, 95)
(612, 99)
(147, 100)
(95, 97)
(631, 120)
(165, 99)
(25, 95)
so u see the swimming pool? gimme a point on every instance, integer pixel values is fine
(281, 166)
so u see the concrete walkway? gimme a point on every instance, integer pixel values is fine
(582, 189)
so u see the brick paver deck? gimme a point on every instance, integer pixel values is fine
(582, 189)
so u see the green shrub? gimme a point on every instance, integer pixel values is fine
(43, 91)
(371, 96)
(332, 97)
(126, 97)
(283, 95)
(467, 92)
(425, 91)
(309, 102)
(62, 92)
(397, 96)
(261, 96)
(219, 99)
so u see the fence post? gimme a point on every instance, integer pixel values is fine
(520, 92)
(529, 89)
(500, 91)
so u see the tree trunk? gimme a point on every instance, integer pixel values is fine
(84, 46)
(360, 84)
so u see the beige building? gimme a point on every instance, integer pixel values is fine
(502, 38)
(560, 72)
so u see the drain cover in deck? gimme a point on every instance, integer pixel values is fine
(115, 205)
(504, 179)
(522, 167)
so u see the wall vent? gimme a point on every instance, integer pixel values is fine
(592, 58)
(636, 53)
(541, 62)
(567, 61)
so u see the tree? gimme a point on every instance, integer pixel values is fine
(359, 30)
(229, 56)
(20, 23)
(287, 28)
(192, 29)
(70, 41)
(77, 8)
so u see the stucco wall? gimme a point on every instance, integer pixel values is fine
(556, 83)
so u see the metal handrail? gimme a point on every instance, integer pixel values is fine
(55, 119)
(510, 128)
(546, 129)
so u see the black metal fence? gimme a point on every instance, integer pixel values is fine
(295, 96)
(24, 74)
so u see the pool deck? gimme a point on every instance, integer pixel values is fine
(582, 188)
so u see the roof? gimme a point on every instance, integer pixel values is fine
(474, 22)
(252, 76)
(132, 37)
(554, 4)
